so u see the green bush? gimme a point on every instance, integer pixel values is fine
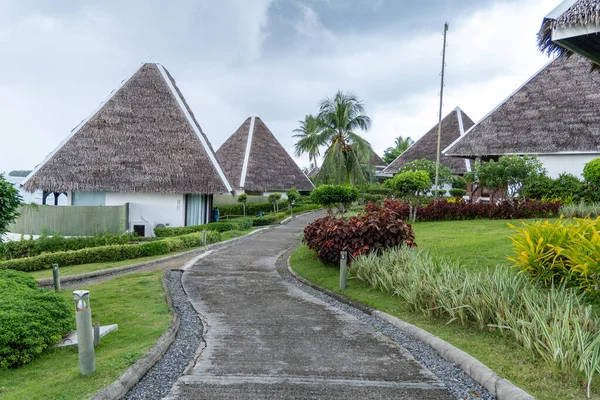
(31, 319)
(252, 209)
(378, 189)
(213, 226)
(581, 210)
(243, 223)
(591, 173)
(108, 253)
(330, 196)
(51, 244)
(455, 192)
(566, 188)
(458, 182)
(560, 252)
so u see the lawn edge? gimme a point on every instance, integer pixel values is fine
(502, 388)
(43, 282)
(119, 388)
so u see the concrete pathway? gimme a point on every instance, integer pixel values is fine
(265, 338)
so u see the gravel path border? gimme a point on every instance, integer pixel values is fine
(157, 382)
(132, 376)
(456, 380)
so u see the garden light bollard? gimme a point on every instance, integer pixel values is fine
(56, 277)
(343, 261)
(203, 237)
(96, 333)
(85, 332)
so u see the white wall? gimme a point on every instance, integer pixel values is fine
(573, 164)
(151, 208)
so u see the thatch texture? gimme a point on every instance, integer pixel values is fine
(138, 141)
(377, 161)
(426, 146)
(269, 168)
(557, 110)
(581, 13)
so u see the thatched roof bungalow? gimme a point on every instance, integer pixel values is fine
(553, 115)
(141, 146)
(453, 127)
(256, 163)
(572, 27)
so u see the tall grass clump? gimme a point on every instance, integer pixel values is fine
(555, 324)
(581, 210)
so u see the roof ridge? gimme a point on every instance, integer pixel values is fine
(247, 152)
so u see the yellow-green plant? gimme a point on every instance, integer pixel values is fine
(563, 251)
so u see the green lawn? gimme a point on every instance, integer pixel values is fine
(477, 244)
(137, 303)
(499, 353)
(83, 268)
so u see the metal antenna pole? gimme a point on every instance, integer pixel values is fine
(439, 135)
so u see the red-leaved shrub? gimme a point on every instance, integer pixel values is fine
(443, 210)
(376, 228)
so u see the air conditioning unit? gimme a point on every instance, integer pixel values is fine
(162, 225)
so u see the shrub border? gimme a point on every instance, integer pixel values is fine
(43, 282)
(502, 388)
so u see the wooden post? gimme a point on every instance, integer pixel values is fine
(203, 237)
(56, 277)
(343, 261)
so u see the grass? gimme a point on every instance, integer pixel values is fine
(83, 268)
(499, 353)
(478, 244)
(137, 303)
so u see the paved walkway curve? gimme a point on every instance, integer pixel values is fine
(265, 338)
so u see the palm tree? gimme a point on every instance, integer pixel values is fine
(308, 139)
(340, 118)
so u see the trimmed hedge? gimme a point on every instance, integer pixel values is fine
(31, 319)
(444, 210)
(252, 209)
(52, 244)
(109, 253)
(230, 225)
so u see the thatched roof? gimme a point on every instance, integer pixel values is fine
(254, 160)
(584, 16)
(377, 161)
(557, 110)
(143, 138)
(453, 126)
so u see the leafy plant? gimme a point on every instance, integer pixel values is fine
(242, 199)
(401, 144)
(444, 173)
(458, 193)
(374, 229)
(292, 195)
(10, 200)
(32, 319)
(330, 196)
(274, 201)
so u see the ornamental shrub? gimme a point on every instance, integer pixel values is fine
(560, 252)
(31, 319)
(330, 196)
(445, 210)
(455, 192)
(51, 244)
(108, 253)
(376, 228)
(591, 173)
(230, 225)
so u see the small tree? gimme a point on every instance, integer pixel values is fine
(274, 200)
(242, 199)
(10, 200)
(509, 174)
(330, 196)
(292, 196)
(410, 185)
(444, 173)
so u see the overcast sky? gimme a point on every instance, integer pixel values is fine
(273, 58)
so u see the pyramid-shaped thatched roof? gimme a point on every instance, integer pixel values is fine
(254, 160)
(377, 161)
(143, 138)
(557, 110)
(454, 125)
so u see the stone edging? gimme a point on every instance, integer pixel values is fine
(502, 388)
(110, 271)
(119, 388)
